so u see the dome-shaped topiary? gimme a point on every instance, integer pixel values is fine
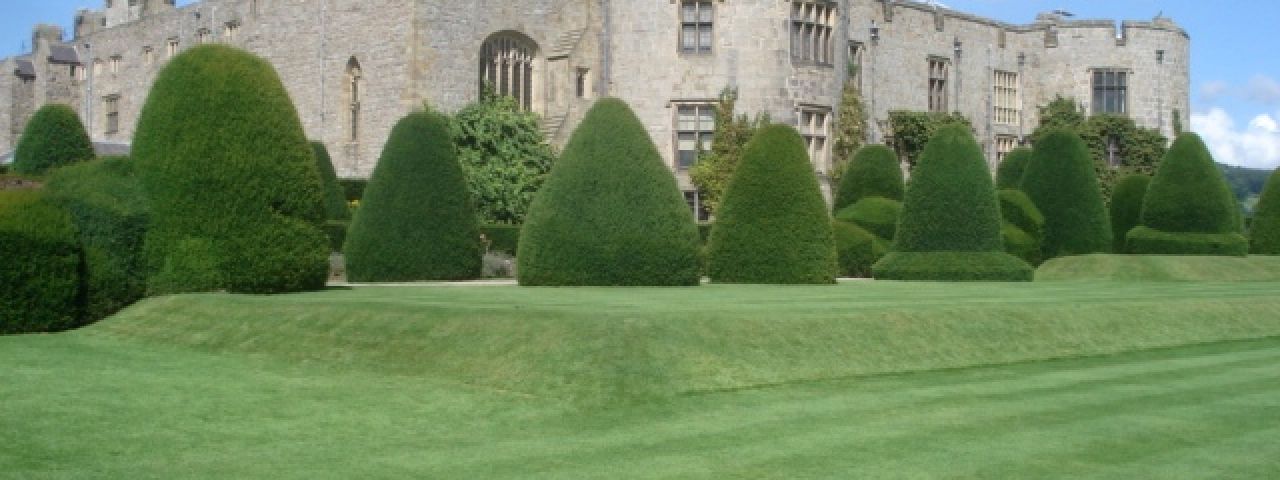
(416, 221)
(1189, 208)
(877, 215)
(1009, 173)
(41, 283)
(1264, 232)
(335, 200)
(857, 249)
(236, 199)
(873, 172)
(1126, 207)
(773, 226)
(1061, 182)
(610, 213)
(53, 137)
(950, 227)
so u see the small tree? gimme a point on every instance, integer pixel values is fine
(1009, 173)
(1126, 207)
(1061, 182)
(54, 137)
(504, 154)
(715, 168)
(416, 221)
(773, 226)
(1188, 208)
(1264, 232)
(873, 172)
(912, 130)
(610, 213)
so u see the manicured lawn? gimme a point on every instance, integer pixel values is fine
(713, 382)
(1161, 268)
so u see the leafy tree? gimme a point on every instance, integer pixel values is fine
(54, 137)
(715, 167)
(873, 172)
(851, 131)
(504, 154)
(1061, 182)
(913, 130)
(1059, 113)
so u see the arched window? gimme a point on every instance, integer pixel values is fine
(506, 66)
(355, 80)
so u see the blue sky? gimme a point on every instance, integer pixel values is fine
(1235, 73)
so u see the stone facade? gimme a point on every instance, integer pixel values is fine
(401, 54)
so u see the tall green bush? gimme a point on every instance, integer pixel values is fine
(335, 199)
(236, 198)
(53, 137)
(1060, 181)
(773, 226)
(416, 221)
(877, 215)
(1188, 209)
(1126, 207)
(857, 249)
(504, 154)
(873, 172)
(610, 213)
(950, 227)
(1009, 173)
(1023, 228)
(1264, 232)
(41, 277)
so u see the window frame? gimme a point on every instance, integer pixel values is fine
(812, 25)
(111, 114)
(1006, 104)
(1111, 94)
(698, 25)
(814, 123)
(703, 115)
(938, 83)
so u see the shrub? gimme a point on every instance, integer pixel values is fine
(1149, 241)
(1126, 207)
(857, 249)
(773, 226)
(1009, 174)
(1188, 208)
(502, 238)
(1023, 229)
(1019, 243)
(54, 137)
(230, 176)
(1264, 232)
(41, 284)
(110, 214)
(950, 227)
(873, 172)
(335, 199)
(1061, 182)
(610, 213)
(416, 221)
(877, 215)
(504, 154)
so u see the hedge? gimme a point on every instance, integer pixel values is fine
(336, 232)
(1021, 214)
(1149, 241)
(610, 212)
(1019, 243)
(1264, 232)
(231, 178)
(1061, 182)
(417, 220)
(950, 227)
(1009, 173)
(873, 172)
(1126, 207)
(111, 215)
(335, 199)
(857, 249)
(41, 279)
(773, 226)
(877, 215)
(53, 137)
(502, 238)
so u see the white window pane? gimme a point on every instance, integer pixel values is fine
(704, 38)
(704, 14)
(690, 12)
(707, 119)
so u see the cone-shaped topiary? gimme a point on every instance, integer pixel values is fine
(1264, 232)
(873, 172)
(610, 213)
(950, 227)
(1188, 209)
(1061, 182)
(1126, 207)
(416, 221)
(41, 278)
(773, 226)
(335, 200)
(236, 199)
(1009, 173)
(54, 137)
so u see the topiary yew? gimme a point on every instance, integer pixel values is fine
(41, 284)
(335, 200)
(1264, 232)
(857, 249)
(873, 172)
(950, 227)
(773, 225)
(416, 221)
(53, 137)
(236, 199)
(1023, 228)
(877, 215)
(1061, 182)
(1009, 174)
(1188, 208)
(1126, 207)
(610, 213)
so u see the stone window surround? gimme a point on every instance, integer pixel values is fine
(111, 113)
(355, 83)
(939, 75)
(693, 124)
(692, 39)
(507, 61)
(1003, 145)
(1006, 102)
(814, 124)
(812, 31)
(1108, 88)
(693, 199)
(857, 58)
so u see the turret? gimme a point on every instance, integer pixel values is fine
(89, 22)
(46, 32)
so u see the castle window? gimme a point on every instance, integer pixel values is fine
(695, 125)
(812, 24)
(112, 109)
(1007, 108)
(1110, 91)
(694, 200)
(1004, 145)
(148, 55)
(856, 51)
(938, 71)
(355, 80)
(506, 67)
(695, 26)
(97, 67)
(815, 126)
(171, 47)
(202, 36)
(230, 30)
(582, 83)
(77, 72)
(115, 64)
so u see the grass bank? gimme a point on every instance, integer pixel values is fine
(1161, 268)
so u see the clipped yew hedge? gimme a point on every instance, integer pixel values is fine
(335, 199)
(1126, 207)
(417, 220)
(1264, 231)
(873, 172)
(773, 226)
(1189, 208)
(877, 215)
(1023, 229)
(1009, 173)
(235, 195)
(610, 212)
(41, 281)
(1061, 182)
(857, 249)
(53, 137)
(950, 227)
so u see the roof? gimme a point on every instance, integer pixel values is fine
(25, 68)
(63, 54)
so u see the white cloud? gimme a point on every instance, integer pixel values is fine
(1263, 89)
(1214, 89)
(1256, 146)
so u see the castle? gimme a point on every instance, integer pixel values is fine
(354, 67)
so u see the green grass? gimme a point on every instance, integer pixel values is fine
(1162, 268)
(712, 382)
